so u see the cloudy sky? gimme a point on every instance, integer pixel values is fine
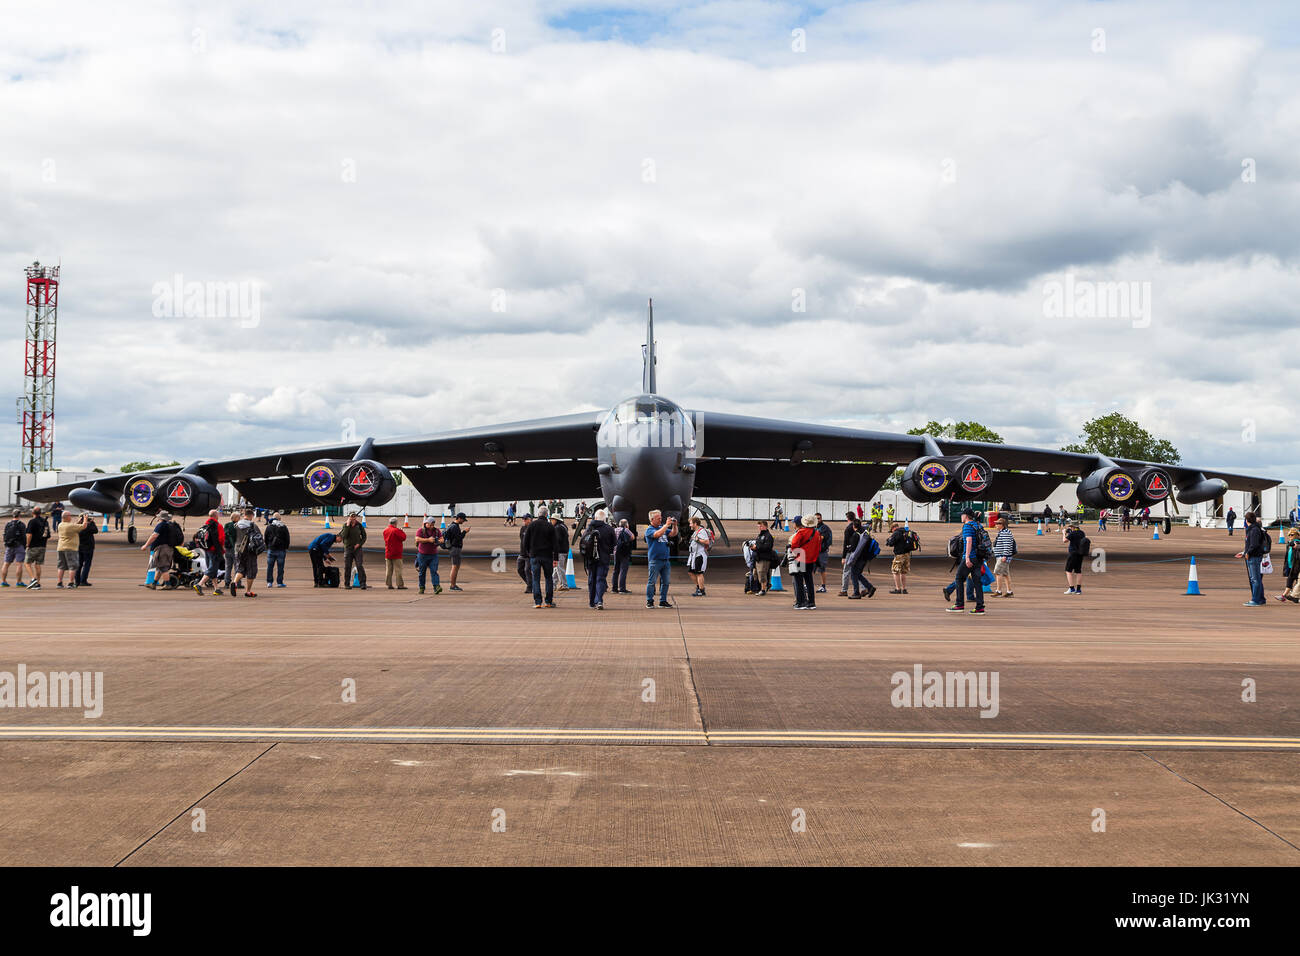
(452, 214)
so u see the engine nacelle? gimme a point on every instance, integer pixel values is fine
(936, 478)
(1153, 486)
(1111, 487)
(96, 499)
(1203, 489)
(336, 482)
(180, 494)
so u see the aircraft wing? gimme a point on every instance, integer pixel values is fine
(441, 462)
(723, 437)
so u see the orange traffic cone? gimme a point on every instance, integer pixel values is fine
(406, 521)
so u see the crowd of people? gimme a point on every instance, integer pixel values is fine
(27, 541)
(224, 554)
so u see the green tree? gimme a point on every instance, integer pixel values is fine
(1117, 436)
(961, 431)
(134, 466)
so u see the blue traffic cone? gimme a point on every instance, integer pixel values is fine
(149, 578)
(105, 528)
(1040, 526)
(327, 519)
(787, 524)
(1193, 584)
(775, 583)
(356, 578)
(1155, 533)
(568, 572)
(363, 519)
(444, 521)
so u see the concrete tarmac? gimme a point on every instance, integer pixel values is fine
(730, 729)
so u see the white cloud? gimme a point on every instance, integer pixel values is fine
(381, 175)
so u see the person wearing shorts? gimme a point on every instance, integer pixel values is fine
(69, 547)
(160, 550)
(900, 539)
(1078, 549)
(15, 538)
(455, 540)
(38, 533)
(697, 556)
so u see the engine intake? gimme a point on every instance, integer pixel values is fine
(1153, 486)
(184, 494)
(1110, 487)
(934, 478)
(336, 482)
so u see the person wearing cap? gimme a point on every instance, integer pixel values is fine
(969, 564)
(160, 549)
(352, 536)
(805, 546)
(15, 537)
(393, 540)
(427, 539)
(453, 541)
(1078, 546)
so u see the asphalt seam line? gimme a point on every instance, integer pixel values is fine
(690, 669)
(1221, 800)
(197, 802)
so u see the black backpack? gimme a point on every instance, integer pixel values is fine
(201, 540)
(983, 546)
(590, 545)
(254, 543)
(15, 533)
(175, 534)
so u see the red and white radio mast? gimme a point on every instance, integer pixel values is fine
(36, 406)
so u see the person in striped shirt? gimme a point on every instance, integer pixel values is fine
(1004, 549)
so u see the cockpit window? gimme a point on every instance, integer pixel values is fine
(648, 420)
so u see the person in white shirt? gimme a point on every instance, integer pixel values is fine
(697, 556)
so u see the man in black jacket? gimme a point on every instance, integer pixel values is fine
(764, 557)
(601, 535)
(852, 532)
(539, 540)
(277, 543)
(1254, 551)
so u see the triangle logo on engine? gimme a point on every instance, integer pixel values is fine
(179, 494)
(974, 477)
(362, 482)
(1157, 484)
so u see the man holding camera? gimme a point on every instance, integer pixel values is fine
(656, 539)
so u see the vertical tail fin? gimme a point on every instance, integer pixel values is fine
(648, 351)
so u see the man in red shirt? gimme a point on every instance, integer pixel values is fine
(393, 538)
(806, 544)
(214, 543)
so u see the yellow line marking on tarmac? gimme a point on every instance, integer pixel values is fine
(524, 734)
